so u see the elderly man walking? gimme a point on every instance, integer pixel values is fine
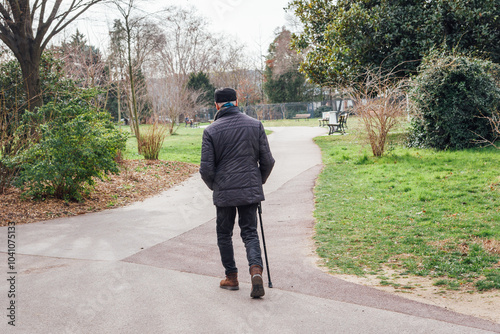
(235, 162)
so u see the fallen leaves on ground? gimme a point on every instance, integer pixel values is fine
(138, 180)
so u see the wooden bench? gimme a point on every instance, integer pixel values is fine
(340, 126)
(301, 116)
(325, 117)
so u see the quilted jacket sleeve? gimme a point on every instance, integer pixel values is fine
(266, 160)
(207, 165)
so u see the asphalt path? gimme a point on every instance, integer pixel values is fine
(154, 267)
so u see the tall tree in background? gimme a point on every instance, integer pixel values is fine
(116, 65)
(83, 62)
(249, 88)
(200, 82)
(189, 49)
(283, 81)
(189, 46)
(141, 39)
(342, 39)
(27, 28)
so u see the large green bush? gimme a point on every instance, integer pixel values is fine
(55, 87)
(452, 97)
(76, 144)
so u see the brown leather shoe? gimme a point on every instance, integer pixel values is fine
(257, 283)
(231, 282)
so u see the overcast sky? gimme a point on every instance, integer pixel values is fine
(250, 22)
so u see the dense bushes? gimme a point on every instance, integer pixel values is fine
(453, 97)
(55, 87)
(58, 149)
(74, 142)
(13, 103)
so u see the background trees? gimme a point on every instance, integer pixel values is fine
(200, 82)
(283, 81)
(342, 39)
(27, 28)
(83, 62)
(139, 39)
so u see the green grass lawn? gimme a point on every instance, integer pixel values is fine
(418, 211)
(184, 145)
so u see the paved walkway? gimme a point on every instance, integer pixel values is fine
(153, 267)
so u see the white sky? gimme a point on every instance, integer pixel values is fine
(251, 23)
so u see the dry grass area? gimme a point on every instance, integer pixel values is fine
(138, 180)
(465, 300)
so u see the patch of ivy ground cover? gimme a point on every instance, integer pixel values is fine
(420, 212)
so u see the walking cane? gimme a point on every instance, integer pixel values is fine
(264, 243)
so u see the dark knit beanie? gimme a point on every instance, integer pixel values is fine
(225, 95)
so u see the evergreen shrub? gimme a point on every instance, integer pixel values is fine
(75, 142)
(453, 96)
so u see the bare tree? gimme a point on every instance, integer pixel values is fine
(283, 58)
(141, 39)
(380, 104)
(495, 125)
(248, 87)
(82, 62)
(227, 68)
(495, 129)
(171, 99)
(116, 60)
(188, 48)
(27, 28)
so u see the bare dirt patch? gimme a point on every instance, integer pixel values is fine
(138, 180)
(465, 300)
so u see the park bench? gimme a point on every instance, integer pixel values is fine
(340, 126)
(301, 116)
(325, 117)
(191, 123)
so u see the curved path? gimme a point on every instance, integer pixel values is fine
(153, 267)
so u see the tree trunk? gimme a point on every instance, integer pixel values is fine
(30, 67)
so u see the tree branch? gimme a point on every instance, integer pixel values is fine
(5, 14)
(33, 11)
(7, 37)
(62, 22)
(9, 25)
(16, 10)
(42, 14)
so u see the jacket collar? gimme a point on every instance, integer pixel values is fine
(226, 110)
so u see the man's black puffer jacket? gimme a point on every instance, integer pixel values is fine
(235, 158)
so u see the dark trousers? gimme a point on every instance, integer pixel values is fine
(247, 220)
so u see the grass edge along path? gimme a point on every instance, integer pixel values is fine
(418, 212)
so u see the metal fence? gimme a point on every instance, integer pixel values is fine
(284, 110)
